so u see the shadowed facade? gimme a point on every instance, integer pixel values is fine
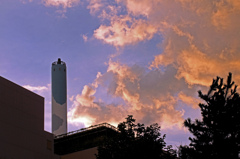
(22, 132)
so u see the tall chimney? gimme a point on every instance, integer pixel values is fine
(59, 97)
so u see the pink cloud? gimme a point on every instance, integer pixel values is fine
(61, 3)
(125, 30)
(196, 34)
(85, 38)
(149, 100)
(94, 6)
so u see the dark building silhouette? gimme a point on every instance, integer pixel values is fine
(22, 134)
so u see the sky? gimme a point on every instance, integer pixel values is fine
(146, 58)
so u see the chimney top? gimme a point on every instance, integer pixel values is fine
(59, 61)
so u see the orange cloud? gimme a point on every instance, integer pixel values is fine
(189, 100)
(200, 38)
(138, 7)
(225, 13)
(141, 98)
(200, 41)
(197, 67)
(87, 96)
(125, 30)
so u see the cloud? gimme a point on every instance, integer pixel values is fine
(200, 41)
(139, 7)
(94, 6)
(61, 3)
(189, 100)
(203, 45)
(125, 30)
(85, 38)
(36, 88)
(200, 38)
(41, 90)
(225, 13)
(25, 1)
(149, 95)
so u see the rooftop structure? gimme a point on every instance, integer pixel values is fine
(83, 139)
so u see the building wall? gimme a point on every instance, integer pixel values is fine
(84, 154)
(22, 132)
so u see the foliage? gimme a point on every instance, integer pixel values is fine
(217, 135)
(135, 141)
(186, 152)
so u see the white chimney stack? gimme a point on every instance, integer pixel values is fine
(59, 97)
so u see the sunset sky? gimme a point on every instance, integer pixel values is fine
(147, 58)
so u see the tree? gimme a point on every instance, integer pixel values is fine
(135, 141)
(217, 135)
(186, 152)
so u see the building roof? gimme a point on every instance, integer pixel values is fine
(83, 138)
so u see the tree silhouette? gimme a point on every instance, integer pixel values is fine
(135, 141)
(217, 135)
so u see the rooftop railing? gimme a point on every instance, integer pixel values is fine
(86, 129)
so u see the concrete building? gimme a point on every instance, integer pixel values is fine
(22, 134)
(59, 97)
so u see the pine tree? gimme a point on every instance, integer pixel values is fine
(217, 135)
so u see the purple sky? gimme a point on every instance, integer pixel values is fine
(147, 58)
